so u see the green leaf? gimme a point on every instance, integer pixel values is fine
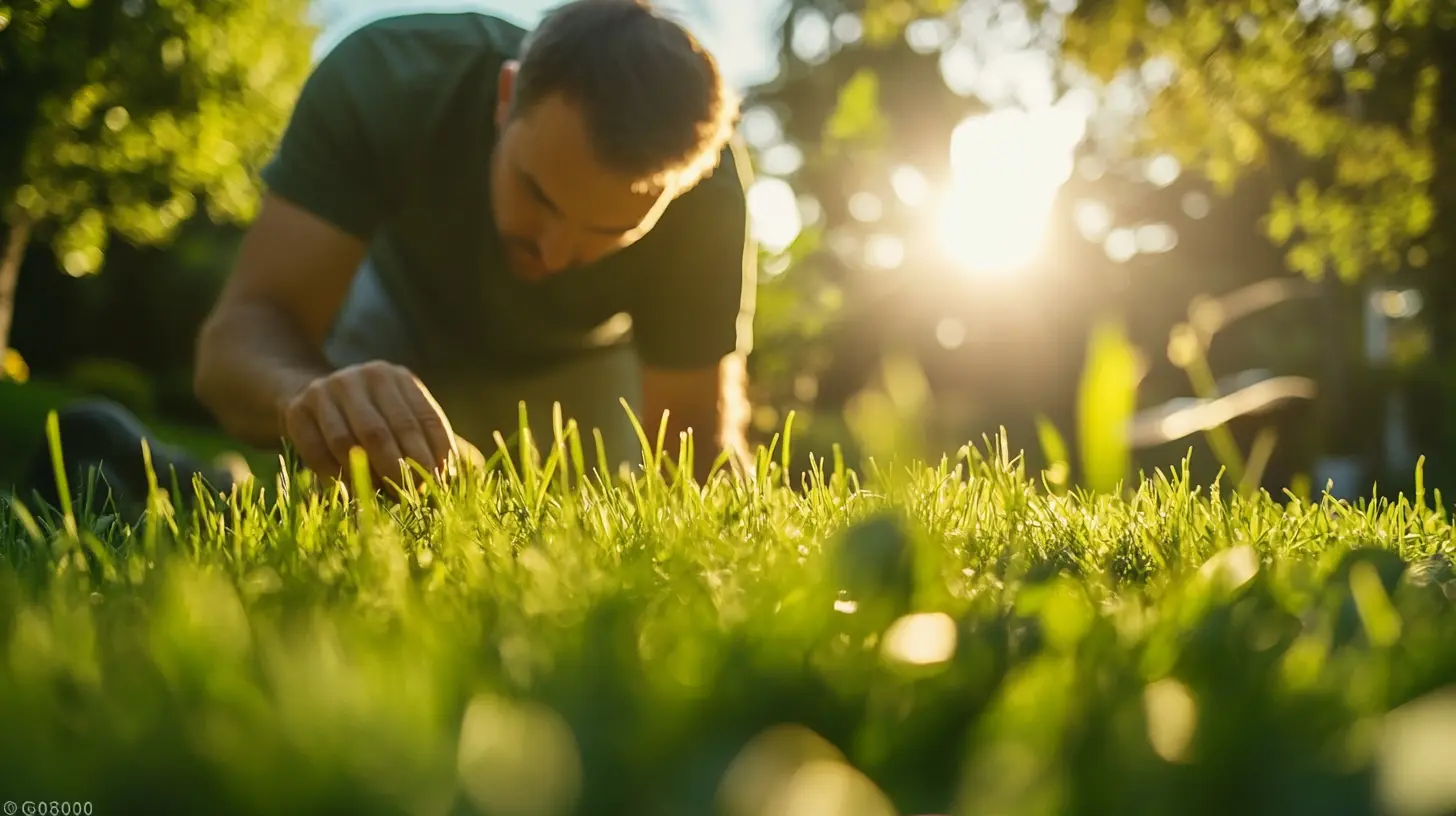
(1054, 448)
(1359, 81)
(1236, 94)
(1381, 620)
(125, 132)
(1306, 259)
(1422, 212)
(1106, 403)
(884, 20)
(857, 115)
(1279, 224)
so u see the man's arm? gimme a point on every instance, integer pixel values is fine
(261, 368)
(693, 325)
(262, 344)
(712, 402)
(333, 180)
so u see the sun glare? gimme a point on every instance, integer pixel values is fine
(1007, 169)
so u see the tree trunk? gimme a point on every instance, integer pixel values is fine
(15, 242)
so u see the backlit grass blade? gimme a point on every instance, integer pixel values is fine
(58, 466)
(1105, 406)
(1054, 450)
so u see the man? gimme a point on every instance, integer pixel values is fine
(461, 217)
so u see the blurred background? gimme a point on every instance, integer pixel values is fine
(1119, 230)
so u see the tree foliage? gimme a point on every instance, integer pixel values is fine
(122, 115)
(1342, 179)
(1335, 101)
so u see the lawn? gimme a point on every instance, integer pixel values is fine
(946, 638)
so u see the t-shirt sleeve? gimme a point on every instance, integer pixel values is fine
(698, 305)
(330, 160)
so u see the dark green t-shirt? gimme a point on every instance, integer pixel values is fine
(391, 140)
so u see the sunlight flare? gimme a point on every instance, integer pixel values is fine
(1008, 167)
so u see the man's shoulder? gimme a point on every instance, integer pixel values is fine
(696, 228)
(370, 111)
(424, 44)
(725, 187)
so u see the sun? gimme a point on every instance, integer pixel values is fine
(1007, 167)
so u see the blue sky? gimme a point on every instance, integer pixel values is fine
(740, 33)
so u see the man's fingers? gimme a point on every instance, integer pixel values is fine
(438, 435)
(400, 416)
(369, 428)
(303, 430)
(338, 437)
(379, 407)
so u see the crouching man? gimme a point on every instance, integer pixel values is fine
(463, 216)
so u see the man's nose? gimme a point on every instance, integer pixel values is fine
(557, 247)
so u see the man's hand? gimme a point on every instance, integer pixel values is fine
(380, 407)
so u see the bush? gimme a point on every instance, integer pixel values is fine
(117, 380)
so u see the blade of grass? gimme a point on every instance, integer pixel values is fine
(788, 443)
(1259, 455)
(63, 487)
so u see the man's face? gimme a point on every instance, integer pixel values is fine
(556, 206)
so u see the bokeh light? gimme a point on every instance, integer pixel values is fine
(1172, 718)
(1196, 205)
(950, 334)
(761, 127)
(1093, 219)
(848, 28)
(958, 69)
(789, 770)
(773, 209)
(1157, 73)
(921, 640)
(910, 185)
(1163, 170)
(813, 37)
(1400, 304)
(810, 210)
(1413, 756)
(884, 251)
(1121, 245)
(866, 207)
(927, 36)
(1155, 239)
(781, 160)
(518, 759)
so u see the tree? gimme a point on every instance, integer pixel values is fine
(882, 83)
(1335, 100)
(1349, 109)
(864, 112)
(121, 115)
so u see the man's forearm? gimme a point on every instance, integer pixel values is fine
(734, 409)
(728, 425)
(251, 359)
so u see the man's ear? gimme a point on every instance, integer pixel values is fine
(506, 91)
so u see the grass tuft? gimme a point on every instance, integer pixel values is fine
(936, 637)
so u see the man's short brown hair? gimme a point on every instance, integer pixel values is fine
(655, 102)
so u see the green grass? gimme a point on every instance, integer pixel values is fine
(944, 638)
